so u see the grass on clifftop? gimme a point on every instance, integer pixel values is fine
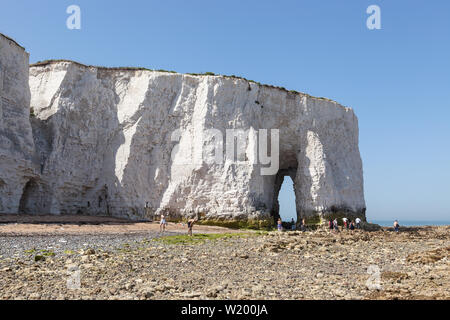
(203, 237)
(47, 62)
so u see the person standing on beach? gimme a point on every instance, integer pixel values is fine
(330, 225)
(352, 225)
(162, 224)
(279, 225)
(292, 224)
(345, 226)
(190, 224)
(396, 226)
(335, 225)
(303, 227)
(358, 223)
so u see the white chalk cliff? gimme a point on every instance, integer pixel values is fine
(101, 144)
(16, 139)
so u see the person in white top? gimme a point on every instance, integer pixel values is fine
(335, 225)
(358, 223)
(396, 225)
(162, 224)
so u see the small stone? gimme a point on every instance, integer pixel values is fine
(35, 295)
(89, 251)
(211, 294)
(192, 294)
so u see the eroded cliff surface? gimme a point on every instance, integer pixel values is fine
(16, 140)
(105, 143)
(134, 143)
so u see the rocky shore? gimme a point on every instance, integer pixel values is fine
(413, 264)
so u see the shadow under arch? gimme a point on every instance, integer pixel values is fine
(34, 199)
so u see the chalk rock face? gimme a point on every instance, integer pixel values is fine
(133, 143)
(16, 139)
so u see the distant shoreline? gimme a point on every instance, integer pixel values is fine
(410, 223)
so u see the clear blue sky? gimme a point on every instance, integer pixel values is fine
(397, 79)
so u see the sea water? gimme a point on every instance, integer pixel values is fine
(410, 223)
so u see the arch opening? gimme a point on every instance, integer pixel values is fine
(286, 201)
(33, 198)
(284, 204)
